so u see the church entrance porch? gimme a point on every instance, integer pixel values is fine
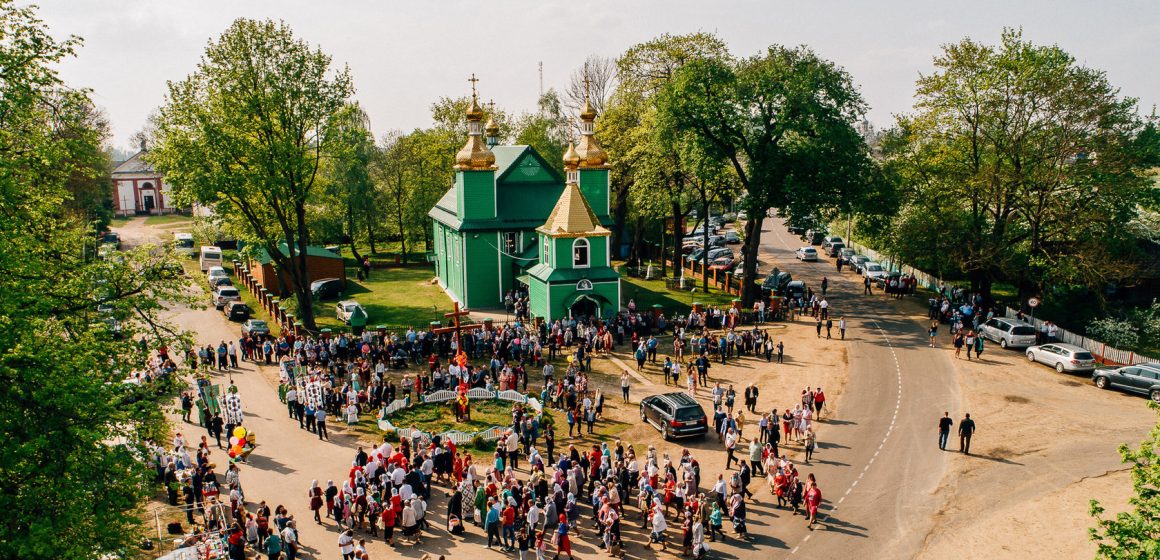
(584, 308)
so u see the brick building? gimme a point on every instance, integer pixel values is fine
(320, 264)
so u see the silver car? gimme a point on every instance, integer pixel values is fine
(807, 254)
(1062, 357)
(1009, 333)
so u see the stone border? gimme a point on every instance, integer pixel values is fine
(477, 393)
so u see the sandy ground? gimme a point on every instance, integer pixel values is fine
(1046, 445)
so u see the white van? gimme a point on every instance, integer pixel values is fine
(183, 243)
(210, 257)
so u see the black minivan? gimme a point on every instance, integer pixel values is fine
(676, 415)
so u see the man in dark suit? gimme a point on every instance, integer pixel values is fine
(966, 430)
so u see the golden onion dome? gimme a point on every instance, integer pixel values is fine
(491, 128)
(587, 112)
(571, 158)
(474, 155)
(474, 112)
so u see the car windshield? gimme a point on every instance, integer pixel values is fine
(228, 292)
(351, 306)
(689, 413)
(1023, 330)
(873, 268)
(258, 324)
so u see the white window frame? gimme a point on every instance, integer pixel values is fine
(582, 242)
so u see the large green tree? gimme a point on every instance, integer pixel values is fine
(1029, 161)
(72, 459)
(246, 135)
(783, 120)
(348, 207)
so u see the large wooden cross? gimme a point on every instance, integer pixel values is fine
(454, 316)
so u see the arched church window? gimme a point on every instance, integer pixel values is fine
(580, 250)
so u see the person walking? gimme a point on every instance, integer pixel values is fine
(829, 327)
(320, 423)
(931, 333)
(825, 285)
(730, 447)
(944, 430)
(866, 283)
(624, 385)
(780, 351)
(810, 441)
(813, 499)
(966, 430)
(842, 326)
(818, 325)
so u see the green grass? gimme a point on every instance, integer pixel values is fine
(395, 297)
(167, 219)
(118, 222)
(647, 293)
(438, 417)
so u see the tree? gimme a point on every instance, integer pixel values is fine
(547, 131)
(783, 120)
(1135, 534)
(645, 170)
(1030, 161)
(596, 79)
(75, 431)
(348, 196)
(245, 133)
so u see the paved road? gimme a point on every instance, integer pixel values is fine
(882, 462)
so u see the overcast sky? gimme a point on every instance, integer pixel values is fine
(405, 55)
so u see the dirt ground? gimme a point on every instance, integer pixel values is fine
(1048, 445)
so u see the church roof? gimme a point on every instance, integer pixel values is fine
(572, 217)
(134, 165)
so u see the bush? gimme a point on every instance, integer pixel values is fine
(1115, 332)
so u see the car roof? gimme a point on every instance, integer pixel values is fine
(348, 302)
(677, 399)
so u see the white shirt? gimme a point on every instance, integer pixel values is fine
(346, 543)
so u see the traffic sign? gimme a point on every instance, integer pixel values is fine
(1033, 302)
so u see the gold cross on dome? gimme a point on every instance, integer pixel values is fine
(473, 80)
(587, 83)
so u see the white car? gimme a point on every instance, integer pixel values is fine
(216, 272)
(1009, 333)
(1063, 357)
(874, 271)
(225, 294)
(807, 254)
(345, 309)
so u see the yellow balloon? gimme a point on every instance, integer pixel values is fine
(569, 359)
(239, 432)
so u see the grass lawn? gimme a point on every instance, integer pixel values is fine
(167, 219)
(118, 222)
(395, 297)
(439, 418)
(646, 293)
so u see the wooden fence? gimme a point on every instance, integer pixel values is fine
(1107, 354)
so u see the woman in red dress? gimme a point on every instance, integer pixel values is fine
(813, 500)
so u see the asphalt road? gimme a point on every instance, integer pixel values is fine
(881, 463)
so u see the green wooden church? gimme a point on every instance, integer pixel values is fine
(509, 218)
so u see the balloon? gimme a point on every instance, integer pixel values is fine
(569, 359)
(239, 432)
(232, 453)
(234, 441)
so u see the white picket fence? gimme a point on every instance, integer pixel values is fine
(925, 280)
(1108, 354)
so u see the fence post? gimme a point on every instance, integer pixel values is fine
(1131, 356)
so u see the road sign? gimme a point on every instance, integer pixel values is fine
(1033, 302)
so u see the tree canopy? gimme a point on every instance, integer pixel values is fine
(246, 135)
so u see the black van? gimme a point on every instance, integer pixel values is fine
(776, 282)
(676, 415)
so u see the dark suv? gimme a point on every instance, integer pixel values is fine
(1141, 378)
(676, 415)
(776, 282)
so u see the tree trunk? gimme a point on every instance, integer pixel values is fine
(371, 238)
(302, 279)
(750, 250)
(678, 236)
(350, 227)
(705, 244)
(664, 238)
(619, 215)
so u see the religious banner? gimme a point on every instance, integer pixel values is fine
(233, 409)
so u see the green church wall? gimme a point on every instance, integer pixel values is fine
(594, 186)
(597, 252)
(482, 266)
(475, 192)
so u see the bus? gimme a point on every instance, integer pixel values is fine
(183, 243)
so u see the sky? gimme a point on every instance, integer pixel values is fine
(405, 55)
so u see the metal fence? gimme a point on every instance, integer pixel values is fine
(1105, 353)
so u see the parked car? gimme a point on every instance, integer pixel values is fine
(1009, 333)
(834, 249)
(795, 289)
(885, 279)
(719, 252)
(1141, 378)
(857, 262)
(326, 288)
(256, 327)
(732, 237)
(695, 255)
(216, 272)
(873, 271)
(236, 311)
(776, 282)
(111, 238)
(216, 281)
(224, 295)
(675, 415)
(717, 241)
(723, 264)
(344, 309)
(845, 254)
(1062, 357)
(829, 241)
(814, 236)
(807, 254)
